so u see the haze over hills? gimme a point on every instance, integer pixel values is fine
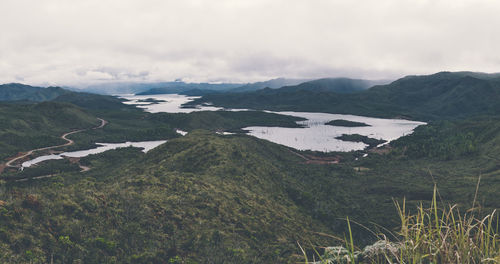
(336, 85)
(205, 88)
(152, 87)
(326, 84)
(180, 87)
(273, 84)
(440, 95)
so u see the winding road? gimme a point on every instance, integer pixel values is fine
(69, 142)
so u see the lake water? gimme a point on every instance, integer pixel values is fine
(320, 137)
(145, 145)
(172, 105)
(314, 136)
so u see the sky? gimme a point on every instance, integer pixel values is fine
(77, 43)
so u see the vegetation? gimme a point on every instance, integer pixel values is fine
(208, 198)
(94, 102)
(21, 92)
(43, 170)
(203, 198)
(448, 236)
(438, 234)
(29, 126)
(448, 140)
(346, 123)
(371, 142)
(150, 100)
(211, 198)
(226, 120)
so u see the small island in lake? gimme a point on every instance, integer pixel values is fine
(346, 123)
(151, 101)
(371, 142)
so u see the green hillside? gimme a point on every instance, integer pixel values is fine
(203, 198)
(209, 198)
(93, 101)
(19, 92)
(29, 126)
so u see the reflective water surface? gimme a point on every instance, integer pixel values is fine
(145, 145)
(316, 135)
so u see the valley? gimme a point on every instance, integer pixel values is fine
(240, 186)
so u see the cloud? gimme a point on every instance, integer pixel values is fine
(69, 42)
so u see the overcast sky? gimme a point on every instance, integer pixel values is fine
(65, 42)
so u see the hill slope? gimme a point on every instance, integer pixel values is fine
(273, 84)
(336, 85)
(237, 199)
(203, 197)
(29, 126)
(18, 92)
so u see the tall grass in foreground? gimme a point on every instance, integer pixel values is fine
(444, 235)
(431, 235)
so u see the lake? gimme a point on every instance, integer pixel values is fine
(144, 145)
(315, 135)
(173, 103)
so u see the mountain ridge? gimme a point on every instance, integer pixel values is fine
(427, 97)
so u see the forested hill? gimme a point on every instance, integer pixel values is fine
(337, 85)
(18, 92)
(236, 199)
(443, 95)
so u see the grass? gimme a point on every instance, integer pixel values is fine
(433, 234)
(445, 235)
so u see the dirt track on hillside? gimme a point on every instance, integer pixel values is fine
(69, 142)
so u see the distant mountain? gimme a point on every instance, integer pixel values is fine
(206, 88)
(199, 92)
(180, 87)
(20, 92)
(273, 84)
(442, 95)
(119, 87)
(337, 85)
(155, 87)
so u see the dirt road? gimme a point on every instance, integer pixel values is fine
(69, 142)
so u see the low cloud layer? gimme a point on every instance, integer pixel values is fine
(63, 42)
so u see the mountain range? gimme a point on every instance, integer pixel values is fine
(428, 97)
